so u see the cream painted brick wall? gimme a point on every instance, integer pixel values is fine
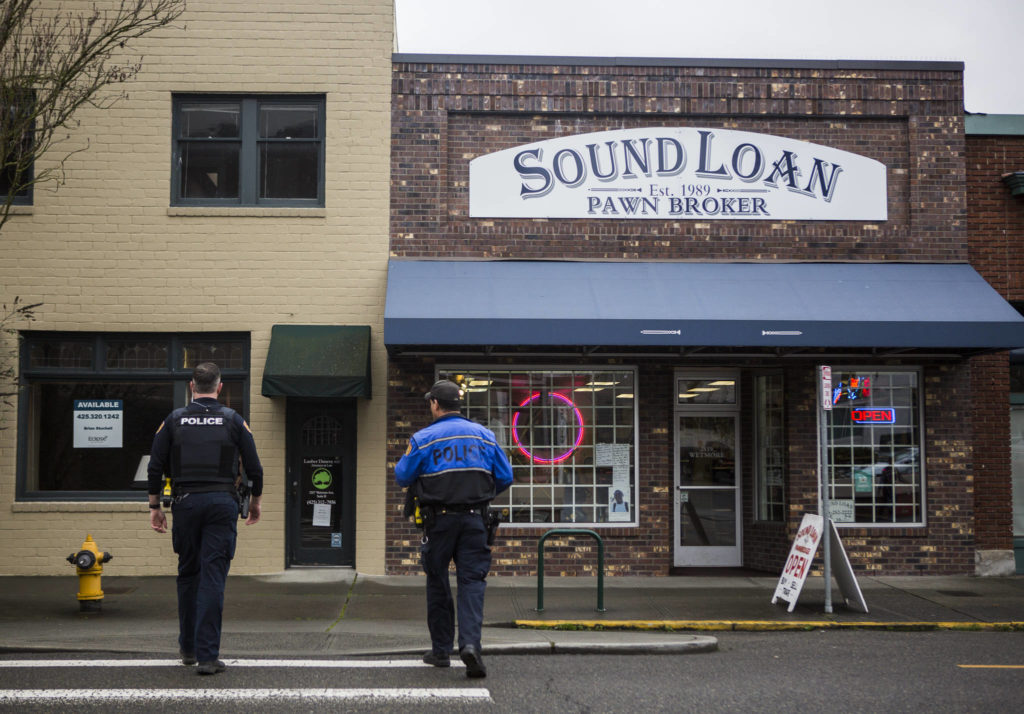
(106, 252)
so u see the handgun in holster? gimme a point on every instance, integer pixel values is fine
(495, 517)
(242, 492)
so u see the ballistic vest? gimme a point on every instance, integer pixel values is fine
(203, 450)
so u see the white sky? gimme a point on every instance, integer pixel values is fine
(984, 34)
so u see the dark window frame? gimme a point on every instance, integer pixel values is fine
(248, 169)
(766, 508)
(526, 469)
(178, 375)
(26, 196)
(916, 468)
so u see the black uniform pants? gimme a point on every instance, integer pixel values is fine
(459, 537)
(204, 534)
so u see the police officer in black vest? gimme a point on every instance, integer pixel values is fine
(199, 446)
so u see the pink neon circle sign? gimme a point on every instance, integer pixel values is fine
(560, 457)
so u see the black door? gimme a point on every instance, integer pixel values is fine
(321, 454)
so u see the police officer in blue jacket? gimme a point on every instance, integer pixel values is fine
(454, 467)
(199, 446)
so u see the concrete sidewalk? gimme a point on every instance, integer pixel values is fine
(332, 612)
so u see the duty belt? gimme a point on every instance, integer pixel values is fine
(184, 489)
(461, 508)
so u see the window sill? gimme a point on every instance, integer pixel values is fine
(22, 210)
(79, 506)
(247, 211)
(527, 530)
(881, 529)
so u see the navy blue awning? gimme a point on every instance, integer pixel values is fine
(862, 305)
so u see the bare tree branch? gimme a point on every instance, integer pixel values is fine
(54, 61)
(10, 317)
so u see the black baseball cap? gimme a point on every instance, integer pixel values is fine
(444, 390)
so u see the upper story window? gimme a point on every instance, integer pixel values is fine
(22, 197)
(18, 168)
(235, 150)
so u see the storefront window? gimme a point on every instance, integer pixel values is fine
(874, 445)
(91, 403)
(137, 354)
(770, 449)
(571, 438)
(62, 354)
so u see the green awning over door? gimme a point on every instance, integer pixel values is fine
(322, 361)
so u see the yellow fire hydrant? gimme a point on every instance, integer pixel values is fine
(88, 564)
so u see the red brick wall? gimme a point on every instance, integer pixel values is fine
(995, 218)
(636, 551)
(995, 221)
(446, 114)
(943, 546)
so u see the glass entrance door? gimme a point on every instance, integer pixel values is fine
(321, 475)
(707, 493)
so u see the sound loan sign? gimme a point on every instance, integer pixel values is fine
(677, 173)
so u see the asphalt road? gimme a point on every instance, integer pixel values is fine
(847, 671)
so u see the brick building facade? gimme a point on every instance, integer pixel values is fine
(995, 219)
(145, 262)
(447, 111)
(112, 258)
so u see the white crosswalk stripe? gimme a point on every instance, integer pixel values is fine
(76, 696)
(303, 663)
(95, 696)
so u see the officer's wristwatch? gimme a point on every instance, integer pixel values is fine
(154, 506)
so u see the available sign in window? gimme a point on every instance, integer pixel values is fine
(98, 423)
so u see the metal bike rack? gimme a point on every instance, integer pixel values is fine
(600, 563)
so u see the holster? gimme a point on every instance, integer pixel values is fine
(492, 521)
(412, 508)
(428, 517)
(242, 493)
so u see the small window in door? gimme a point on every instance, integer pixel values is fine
(705, 391)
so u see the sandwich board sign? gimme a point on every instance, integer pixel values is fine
(798, 564)
(801, 555)
(843, 572)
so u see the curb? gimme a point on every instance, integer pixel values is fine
(693, 644)
(761, 625)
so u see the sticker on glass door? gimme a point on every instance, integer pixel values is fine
(321, 518)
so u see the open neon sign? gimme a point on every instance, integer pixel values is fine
(579, 428)
(873, 415)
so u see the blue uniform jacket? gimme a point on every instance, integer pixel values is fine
(454, 461)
